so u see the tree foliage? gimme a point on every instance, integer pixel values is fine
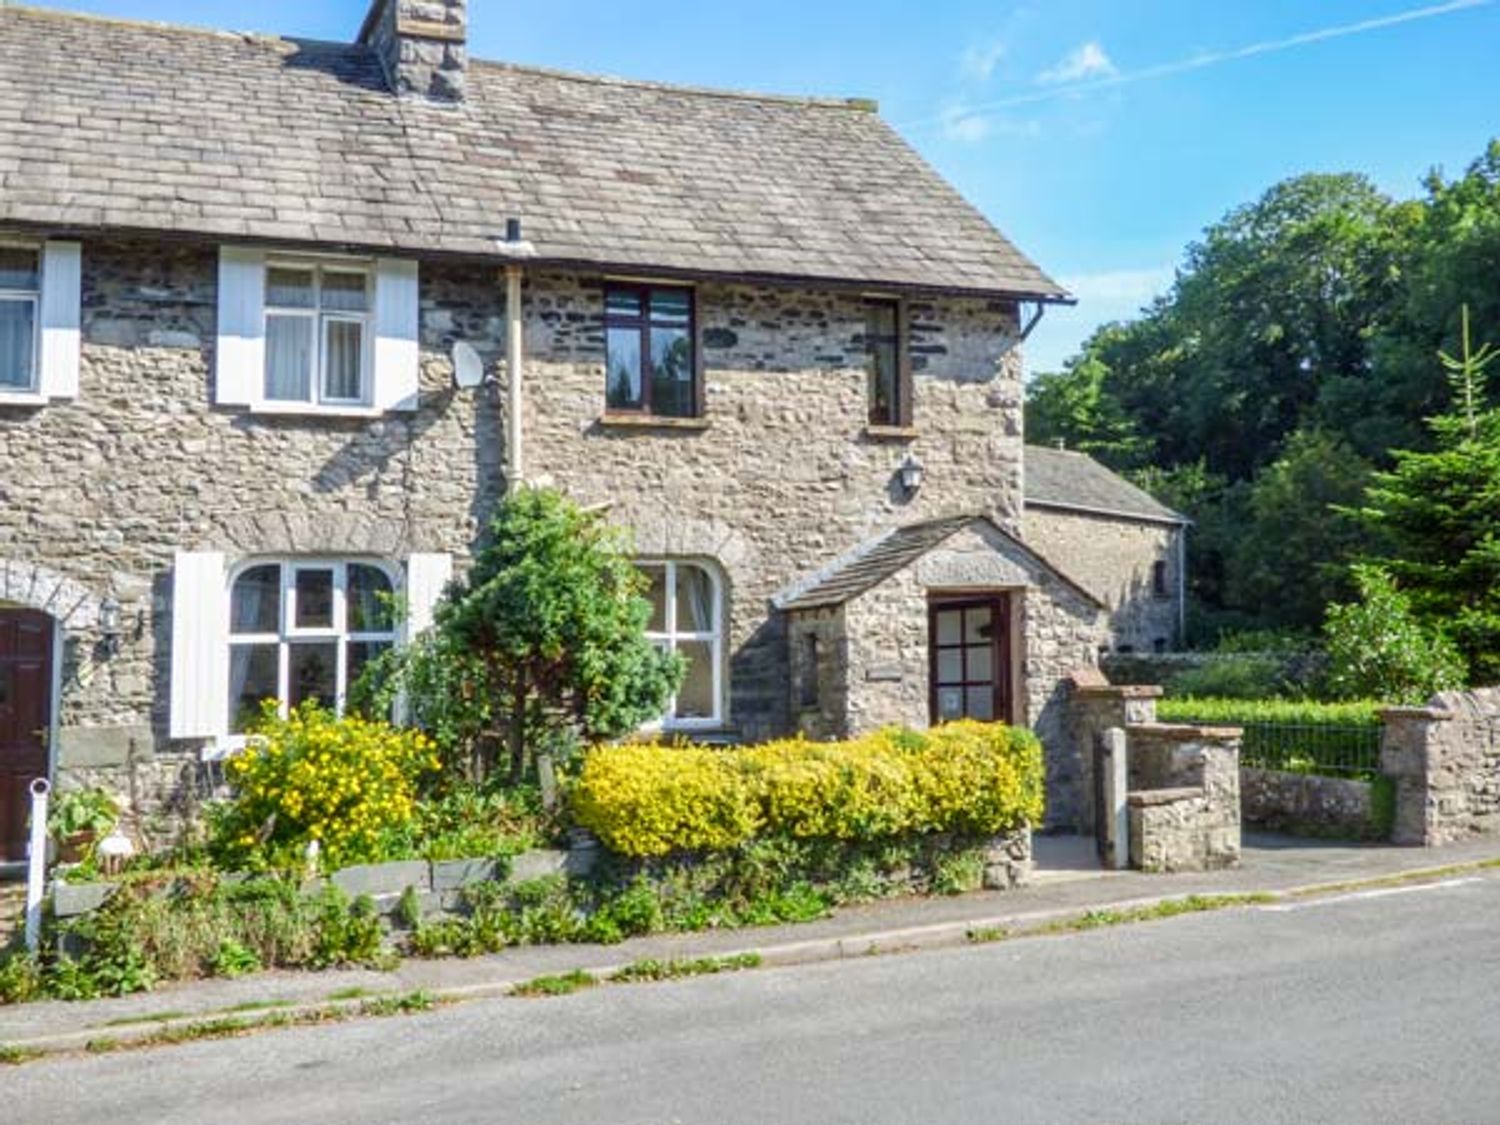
(1292, 354)
(1377, 649)
(543, 640)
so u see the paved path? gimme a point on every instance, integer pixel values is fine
(1065, 886)
(1376, 1006)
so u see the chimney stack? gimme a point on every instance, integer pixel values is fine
(423, 46)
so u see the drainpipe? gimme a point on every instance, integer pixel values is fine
(513, 361)
(1182, 533)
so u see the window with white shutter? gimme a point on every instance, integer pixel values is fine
(40, 316)
(308, 335)
(199, 654)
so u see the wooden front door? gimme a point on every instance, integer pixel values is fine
(970, 659)
(25, 718)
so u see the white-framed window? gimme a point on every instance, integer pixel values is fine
(318, 347)
(20, 318)
(687, 616)
(303, 629)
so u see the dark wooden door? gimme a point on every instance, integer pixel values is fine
(970, 660)
(25, 717)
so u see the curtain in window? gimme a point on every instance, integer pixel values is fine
(289, 358)
(695, 600)
(17, 335)
(341, 364)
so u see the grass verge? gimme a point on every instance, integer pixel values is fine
(650, 969)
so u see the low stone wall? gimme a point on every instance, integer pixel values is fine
(1445, 761)
(1304, 804)
(1184, 799)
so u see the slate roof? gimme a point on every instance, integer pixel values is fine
(133, 126)
(872, 562)
(1062, 478)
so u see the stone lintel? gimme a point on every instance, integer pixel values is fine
(1434, 714)
(1184, 732)
(1116, 691)
(1148, 798)
(427, 29)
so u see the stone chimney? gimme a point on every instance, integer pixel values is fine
(423, 46)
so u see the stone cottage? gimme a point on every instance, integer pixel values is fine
(281, 320)
(1123, 545)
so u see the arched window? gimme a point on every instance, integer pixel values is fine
(303, 630)
(687, 616)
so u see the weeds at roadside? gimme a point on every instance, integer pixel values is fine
(982, 935)
(650, 969)
(559, 985)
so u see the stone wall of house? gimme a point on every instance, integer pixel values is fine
(1055, 629)
(818, 673)
(100, 491)
(1445, 761)
(780, 477)
(1112, 558)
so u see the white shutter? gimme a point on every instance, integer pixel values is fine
(200, 645)
(397, 354)
(62, 307)
(427, 576)
(239, 369)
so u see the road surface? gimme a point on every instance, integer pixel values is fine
(1378, 1007)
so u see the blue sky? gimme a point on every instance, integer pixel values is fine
(1100, 135)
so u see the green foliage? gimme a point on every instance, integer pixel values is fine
(1291, 356)
(967, 777)
(1378, 649)
(557, 985)
(1232, 677)
(233, 960)
(543, 641)
(651, 969)
(1440, 510)
(73, 812)
(1296, 712)
(313, 777)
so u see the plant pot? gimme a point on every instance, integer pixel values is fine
(75, 848)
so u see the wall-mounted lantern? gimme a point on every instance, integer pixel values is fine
(109, 625)
(911, 474)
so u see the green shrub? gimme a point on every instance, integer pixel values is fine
(1300, 712)
(312, 777)
(1377, 647)
(1300, 736)
(969, 778)
(1235, 676)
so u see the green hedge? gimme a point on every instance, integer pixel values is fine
(966, 778)
(1300, 712)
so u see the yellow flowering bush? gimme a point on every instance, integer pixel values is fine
(967, 778)
(345, 783)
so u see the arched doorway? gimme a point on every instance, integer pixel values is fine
(27, 647)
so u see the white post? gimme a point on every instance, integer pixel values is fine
(36, 867)
(514, 359)
(1116, 812)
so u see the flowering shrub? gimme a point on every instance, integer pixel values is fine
(967, 778)
(345, 783)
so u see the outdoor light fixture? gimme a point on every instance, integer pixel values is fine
(109, 625)
(911, 474)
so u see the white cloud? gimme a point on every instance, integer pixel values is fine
(961, 124)
(1087, 60)
(979, 60)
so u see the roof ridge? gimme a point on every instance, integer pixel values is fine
(818, 101)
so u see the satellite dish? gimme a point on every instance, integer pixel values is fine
(468, 368)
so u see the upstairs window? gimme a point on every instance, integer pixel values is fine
(651, 366)
(1159, 586)
(887, 365)
(304, 630)
(687, 617)
(20, 305)
(317, 335)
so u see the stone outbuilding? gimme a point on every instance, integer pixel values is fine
(1123, 545)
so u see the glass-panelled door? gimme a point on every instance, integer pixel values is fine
(969, 647)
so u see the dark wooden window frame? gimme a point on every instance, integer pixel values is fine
(1159, 587)
(1000, 651)
(901, 416)
(643, 324)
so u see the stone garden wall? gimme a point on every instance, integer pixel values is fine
(1305, 804)
(1445, 761)
(1184, 800)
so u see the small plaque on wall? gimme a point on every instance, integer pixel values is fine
(883, 674)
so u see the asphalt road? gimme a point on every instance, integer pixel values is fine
(1381, 1007)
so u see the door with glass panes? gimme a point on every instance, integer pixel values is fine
(969, 648)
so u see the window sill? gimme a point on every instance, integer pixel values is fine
(890, 433)
(312, 410)
(625, 421)
(23, 398)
